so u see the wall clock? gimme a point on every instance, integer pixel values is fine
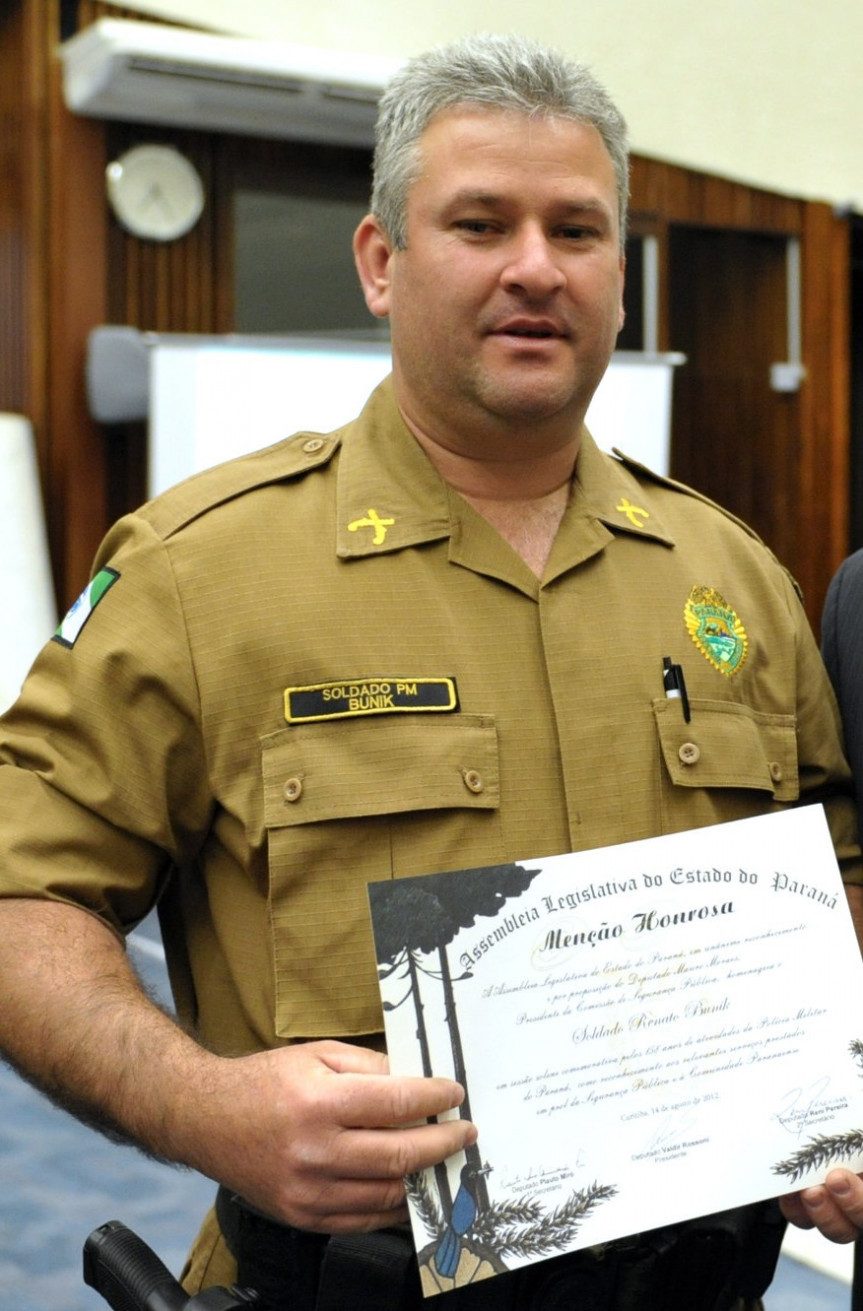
(155, 192)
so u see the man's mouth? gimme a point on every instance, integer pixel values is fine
(538, 331)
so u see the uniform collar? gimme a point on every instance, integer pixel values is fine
(390, 495)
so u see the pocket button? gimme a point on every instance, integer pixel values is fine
(293, 790)
(473, 780)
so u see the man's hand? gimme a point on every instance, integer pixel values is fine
(834, 1207)
(320, 1135)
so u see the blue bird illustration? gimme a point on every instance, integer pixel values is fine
(463, 1216)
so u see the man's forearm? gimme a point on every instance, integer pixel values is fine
(77, 1023)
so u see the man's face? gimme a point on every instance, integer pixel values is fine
(506, 302)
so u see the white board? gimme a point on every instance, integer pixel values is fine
(28, 589)
(212, 398)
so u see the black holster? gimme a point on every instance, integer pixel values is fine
(292, 1270)
(703, 1265)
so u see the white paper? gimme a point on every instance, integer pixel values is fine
(649, 1032)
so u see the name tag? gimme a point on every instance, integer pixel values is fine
(369, 696)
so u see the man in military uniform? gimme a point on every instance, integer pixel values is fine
(431, 640)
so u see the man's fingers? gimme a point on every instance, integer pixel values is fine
(394, 1153)
(384, 1155)
(834, 1207)
(795, 1212)
(846, 1194)
(381, 1101)
(360, 1186)
(367, 1096)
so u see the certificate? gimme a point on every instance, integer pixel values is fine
(646, 1033)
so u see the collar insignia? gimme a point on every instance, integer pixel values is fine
(376, 523)
(716, 629)
(634, 513)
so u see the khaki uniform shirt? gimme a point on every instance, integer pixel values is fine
(318, 666)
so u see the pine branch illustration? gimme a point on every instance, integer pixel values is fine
(418, 1192)
(570, 1215)
(856, 1049)
(533, 1233)
(503, 1217)
(513, 1242)
(818, 1152)
(526, 1212)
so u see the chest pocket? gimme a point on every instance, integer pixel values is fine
(738, 761)
(349, 803)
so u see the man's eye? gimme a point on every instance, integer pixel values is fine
(474, 225)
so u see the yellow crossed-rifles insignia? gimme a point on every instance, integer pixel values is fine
(716, 629)
(634, 513)
(373, 520)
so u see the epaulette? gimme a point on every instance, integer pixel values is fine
(289, 459)
(650, 475)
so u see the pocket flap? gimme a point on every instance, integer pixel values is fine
(378, 766)
(729, 745)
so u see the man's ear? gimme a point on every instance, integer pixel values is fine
(372, 254)
(621, 316)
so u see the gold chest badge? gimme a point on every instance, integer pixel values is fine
(716, 629)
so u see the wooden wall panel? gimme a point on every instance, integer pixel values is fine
(52, 258)
(782, 461)
(13, 210)
(821, 512)
(734, 438)
(76, 493)
(23, 216)
(680, 195)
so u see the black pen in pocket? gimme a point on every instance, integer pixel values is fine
(675, 685)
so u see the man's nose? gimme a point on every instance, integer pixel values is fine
(533, 265)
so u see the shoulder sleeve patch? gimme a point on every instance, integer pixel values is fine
(70, 629)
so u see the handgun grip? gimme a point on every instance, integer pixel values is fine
(128, 1273)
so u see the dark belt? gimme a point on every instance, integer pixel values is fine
(703, 1265)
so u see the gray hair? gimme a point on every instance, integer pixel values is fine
(497, 72)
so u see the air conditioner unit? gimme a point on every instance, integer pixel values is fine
(149, 73)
